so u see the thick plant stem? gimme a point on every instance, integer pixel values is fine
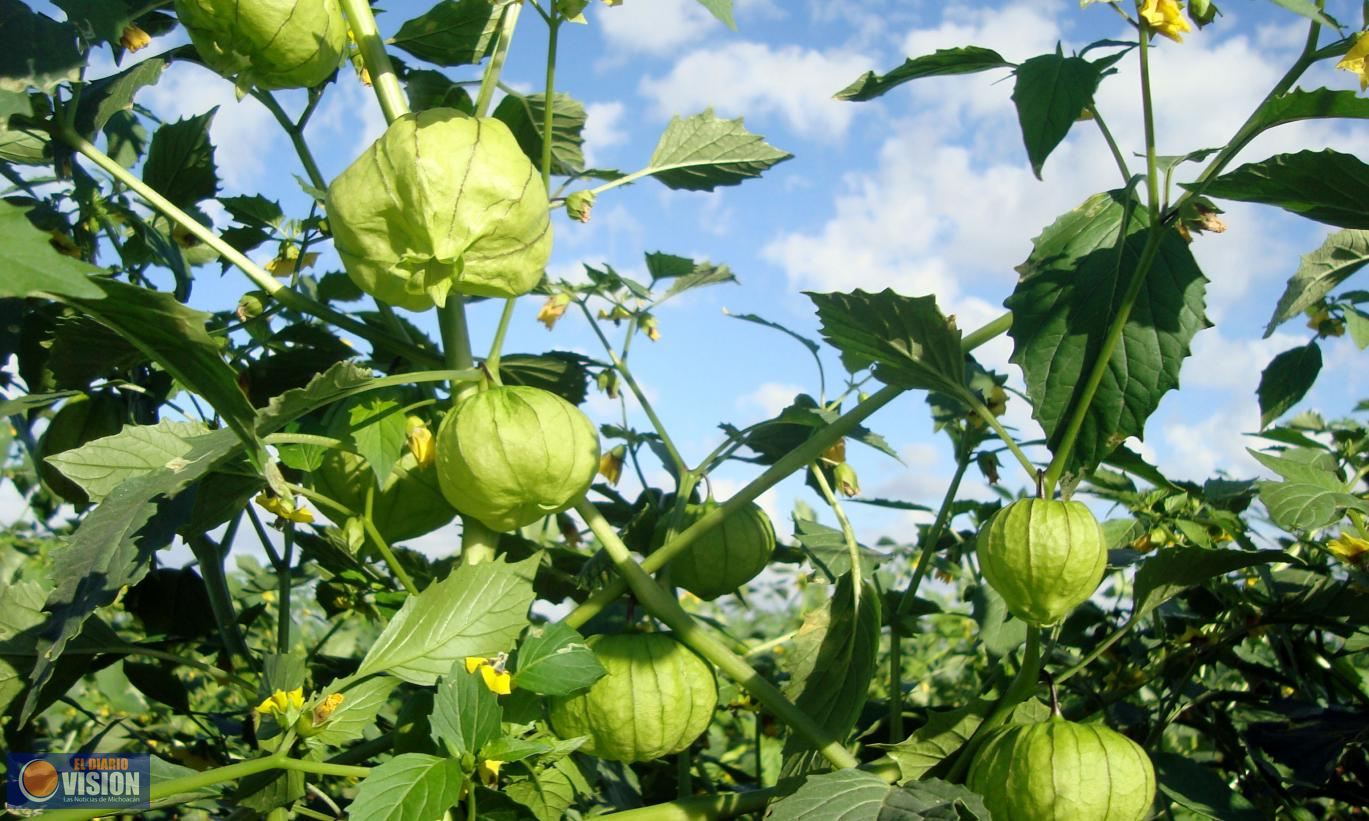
(790, 462)
(286, 296)
(549, 95)
(847, 532)
(990, 331)
(378, 65)
(210, 558)
(664, 607)
(368, 522)
(497, 346)
(478, 542)
(490, 81)
(1018, 691)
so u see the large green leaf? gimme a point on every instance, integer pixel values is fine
(340, 381)
(1050, 93)
(102, 21)
(834, 657)
(945, 61)
(554, 660)
(524, 115)
(377, 429)
(35, 50)
(908, 340)
(931, 746)
(1071, 287)
(466, 714)
(548, 791)
(23, 611)
(20, 143)
(1319, 272)
(702, 152)
(1309, 9)
(101, 465)
(1326, 186)
(561, 372)
(112, 547)
(1175, 569)
(357, 713)
(105, 97)
(721, 9)
(33, 267)
(856, 795)
(1201, 789)
(1309, 105)
(453, 32)
(476, 611)
(409, 787)
(180, 161)
(1286, 380)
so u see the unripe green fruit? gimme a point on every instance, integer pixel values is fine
(80, 420)
(409, 504)
(1044, 557)
(441, 203)
(267, 43)
(512, 455)
(1061, 771)
(728, 556)
(657, 698)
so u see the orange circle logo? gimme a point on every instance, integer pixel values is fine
(38, 780)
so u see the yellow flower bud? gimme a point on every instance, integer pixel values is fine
(1350, 549)
(1356, 60)
(1165, 17)
(420, 440)
(134, 38)
(553, 309)
(489, 771)
(284, 508)
(611, 464)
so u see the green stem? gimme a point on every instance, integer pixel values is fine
(296, 134)
(676, 459)
(490, 81)
(992, 330)
(368, 522)
(284, 618)
(210, 557)
(548, 109)
(1117, 155)
(1098, 650)
(664, 607)
(1148, 119)
(992, 421)
(847, 532)
(933, 537)
(895, 682)
(303, 439)
(492, 361)
(378, 65)
(288, 297)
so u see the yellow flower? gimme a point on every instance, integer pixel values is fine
(489, 771)
(134, 38)
(281, 702)
(288, 261)
(325, 709)
(492, 672)
(611, 464)
(553, 309)
(284, 508)
(1350, 549)
(1357, 60)
(1165, 17)
(420, 441)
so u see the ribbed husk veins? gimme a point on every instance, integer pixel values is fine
(728, 556)
(657, 698)
(1044, 557)
(80, 420)
(511, 455)
(267, 43)
(1061, 771)
(441, 203)
(407, 506)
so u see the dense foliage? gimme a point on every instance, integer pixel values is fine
(1217, 670)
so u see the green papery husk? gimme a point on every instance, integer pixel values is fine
(442, 203)
(269, 44)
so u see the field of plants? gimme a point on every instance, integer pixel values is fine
(616, 630)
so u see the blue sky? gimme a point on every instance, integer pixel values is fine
(926, 190)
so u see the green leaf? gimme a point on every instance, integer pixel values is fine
(1307, 506)
(340, 381)
(33, 267)
(1050, 93)
(943, 62)
(835, 654)
(908, 340)
(702, 274)
(20, 143)
(1071, 287)
(476, 611)
(1308, 105)
(107, 96)
(1175, 569)
(112, 547)
(23, 611)
(357, 713)
(101, 465)
(561, 372)
(377, 429)
(101, 21)
(466, 714)
(1326, 186)
(827, 549)
(175, 337)
(944, 733)
(853, 795)
(702, 152)
(1196, 787)
(255, 210)
(1357, 323)
(548, 792)
(554, 660)
(721, 9)
(180, 162)
(1344, 253)
(1308, 9)
(1286, 380)
(524, 117)
(432, 89)
(452, 33)
(35, 50)
(409, 787)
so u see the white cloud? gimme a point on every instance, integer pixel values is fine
(604, 129)
(349, 115)
(654, 27)
(756, 79)
(769, 398)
